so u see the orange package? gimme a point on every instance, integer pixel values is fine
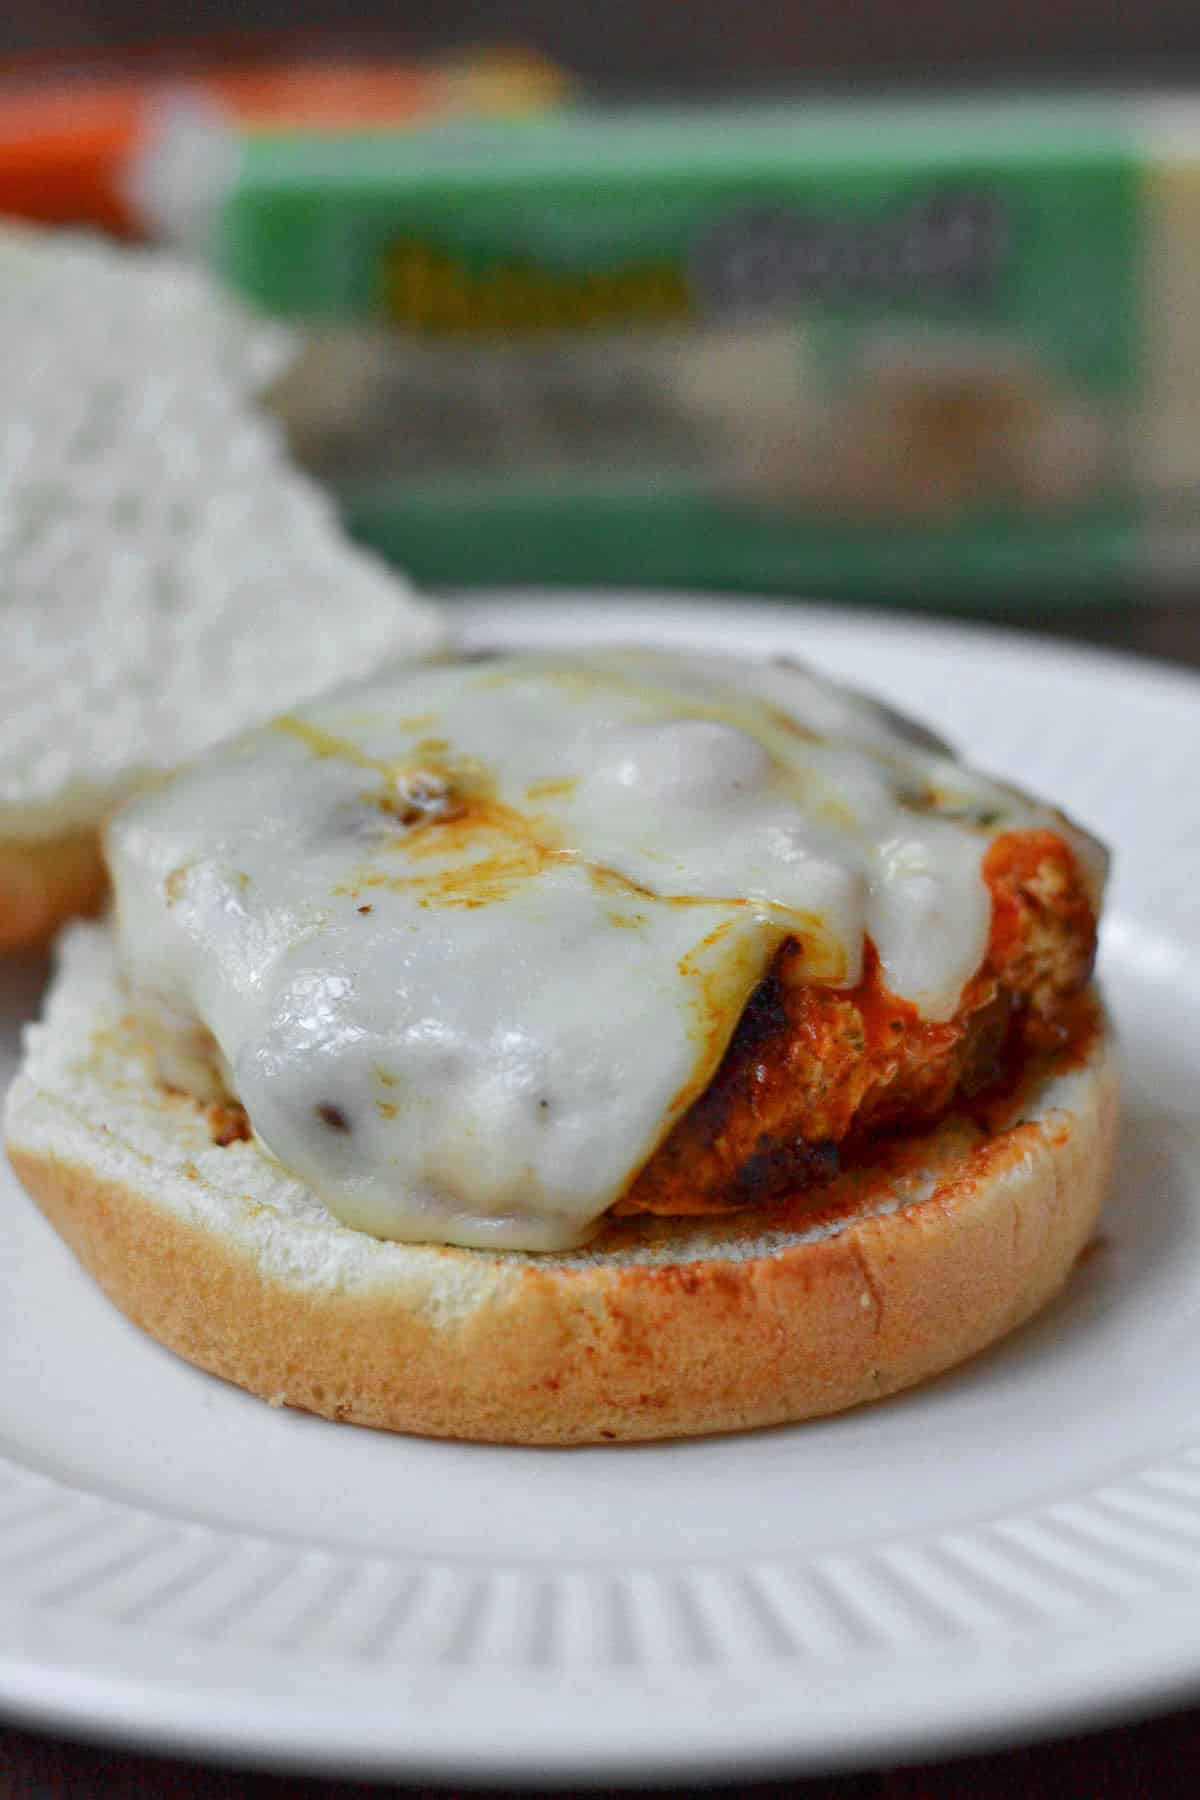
(69, 140)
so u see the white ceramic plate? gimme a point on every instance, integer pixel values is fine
(1012, 1549)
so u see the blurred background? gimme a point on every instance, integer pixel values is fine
(896, 305)
(657, 41)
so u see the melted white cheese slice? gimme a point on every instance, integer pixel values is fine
(471, 937)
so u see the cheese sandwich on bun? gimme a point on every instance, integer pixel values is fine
(553, 1048)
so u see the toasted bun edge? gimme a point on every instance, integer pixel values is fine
(610, 1345)
(44, 882)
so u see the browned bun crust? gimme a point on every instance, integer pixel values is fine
(660, 1328)
(45, 882)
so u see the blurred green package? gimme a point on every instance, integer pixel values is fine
(944, 349)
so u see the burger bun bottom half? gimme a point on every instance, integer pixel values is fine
(659, 1328)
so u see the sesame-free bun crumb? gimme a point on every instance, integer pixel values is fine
(659, 1328)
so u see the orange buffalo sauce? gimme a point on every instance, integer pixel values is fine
(816, 1076)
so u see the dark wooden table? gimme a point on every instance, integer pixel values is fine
(1151, 1762)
